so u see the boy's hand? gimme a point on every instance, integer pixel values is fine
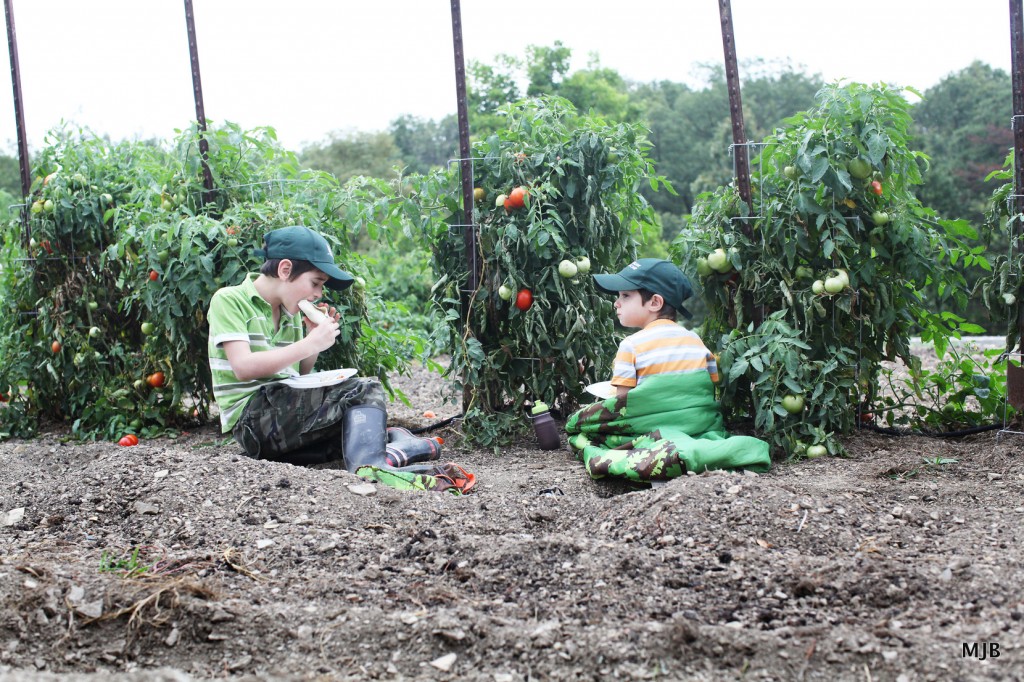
(321, 336)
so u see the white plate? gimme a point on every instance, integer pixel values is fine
(316, 379)
(602, 389)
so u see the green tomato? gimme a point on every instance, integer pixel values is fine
(880, 218)
(859, 168)
(93, 305)
(567, 269)
(794, 404)
(804, 272)
(95, 332)
(816, 451)
(505, 293)
(833, 285)
(818, 287)
(583, 265)
(719, 261)
(791, 172)
(147, 328)
(703, 269)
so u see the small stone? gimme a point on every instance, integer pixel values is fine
(890, 656)
(161, 474)
(13, 517)
(365, 490)
(172, 638)
(146, 508)
(445, 663)
(263, 543)
(946, 575)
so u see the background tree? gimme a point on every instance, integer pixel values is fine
(963, 124)
(353, 154)
(425, 144)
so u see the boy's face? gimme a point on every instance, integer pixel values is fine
(309, 286)
(633, 312)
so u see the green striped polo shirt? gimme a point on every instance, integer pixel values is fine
(239, 313)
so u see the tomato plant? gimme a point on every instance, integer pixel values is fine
(810, 296)
(142, 246)
(556, 335)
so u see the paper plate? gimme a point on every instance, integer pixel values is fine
(602, 389)
(317, 379)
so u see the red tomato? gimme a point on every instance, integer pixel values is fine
(156, 379)
(876, 187)
(126, 441)
(153, 275)
(517, 198)
(524, 299)
(3, 397)
(55, 346)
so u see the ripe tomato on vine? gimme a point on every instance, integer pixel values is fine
(524, 299)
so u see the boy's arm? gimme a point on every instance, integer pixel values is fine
(248, 365)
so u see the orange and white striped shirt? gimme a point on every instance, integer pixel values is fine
(662, 347)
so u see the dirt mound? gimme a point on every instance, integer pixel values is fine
(184, 560)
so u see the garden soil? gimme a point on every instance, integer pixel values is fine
(179, 560)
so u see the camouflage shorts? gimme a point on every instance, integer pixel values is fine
(302, 425)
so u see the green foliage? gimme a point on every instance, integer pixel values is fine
(582, 176)
(125, 239)
(1000, 288)
(128, 564)
(967, 388)
(833, 207)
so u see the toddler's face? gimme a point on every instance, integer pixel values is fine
(631, 310)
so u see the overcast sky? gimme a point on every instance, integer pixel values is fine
(308, 67)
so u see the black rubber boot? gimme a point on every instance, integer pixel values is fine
(364, 436)
(404, 448)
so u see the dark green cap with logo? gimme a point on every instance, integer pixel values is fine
(298, 242)
(658, 276)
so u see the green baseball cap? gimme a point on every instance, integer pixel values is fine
(298, 242)
(654, 274)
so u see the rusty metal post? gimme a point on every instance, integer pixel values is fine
(466, 172)
(465, 163)
(197, 92)
(739, 136)
(19, 114)
(1014, 373)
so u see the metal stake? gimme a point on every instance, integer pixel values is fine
(19, 116)
(197, 92)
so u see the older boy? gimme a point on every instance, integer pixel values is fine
(257, 340)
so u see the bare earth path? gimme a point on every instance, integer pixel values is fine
(889, 565)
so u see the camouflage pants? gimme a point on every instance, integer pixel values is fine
(302, 425)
